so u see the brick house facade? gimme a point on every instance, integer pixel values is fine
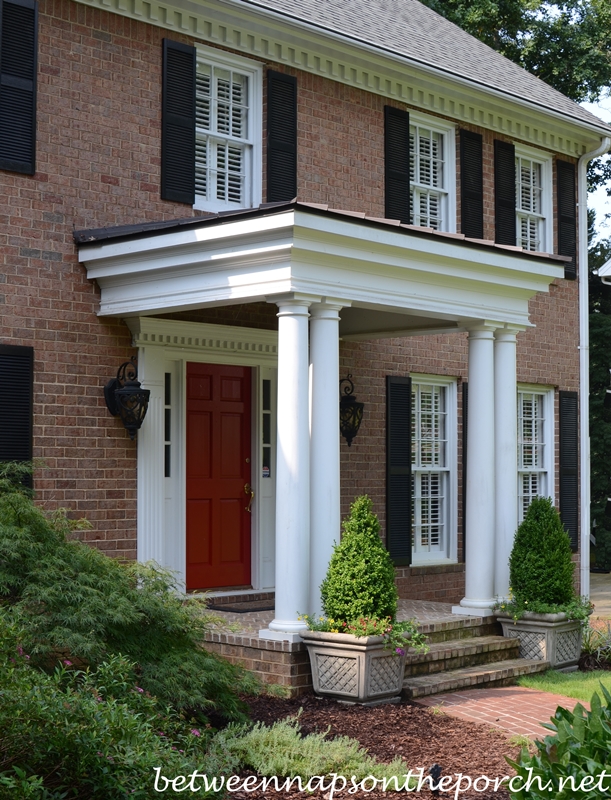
(78, 304)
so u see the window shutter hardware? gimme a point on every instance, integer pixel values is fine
(178, 123)
(281, 137)
(397, 164)
(471, 184)
(399, 468)
(18, 68)
(567, 216)
(504, 192)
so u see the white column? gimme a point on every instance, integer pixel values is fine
(480, 518)
(324, 443)
(292, 473)
(506, 455)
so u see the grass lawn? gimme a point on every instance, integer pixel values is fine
(579, 685)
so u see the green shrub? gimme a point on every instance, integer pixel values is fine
(87, 736)
(360, 581)
(541, 567)
(282, 750)
(73, 601)
(573, 757)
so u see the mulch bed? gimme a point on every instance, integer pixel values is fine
(422, 738)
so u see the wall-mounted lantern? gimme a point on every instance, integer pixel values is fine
(126, 398)
(350, 412)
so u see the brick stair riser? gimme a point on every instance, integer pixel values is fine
(449, 661)
(467, 632)
(498, 675)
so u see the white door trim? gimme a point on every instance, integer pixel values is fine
(167, 346)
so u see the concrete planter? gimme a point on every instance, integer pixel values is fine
(546, 637)
(354, 669)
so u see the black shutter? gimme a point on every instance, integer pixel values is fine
(471, 185)
(399, 468)
(18, 62)
(465, 423)
(396, 164)
(16, 373)
(504, 192)
(178, 123)
(567, 216)
(281, 137)
(569, 462)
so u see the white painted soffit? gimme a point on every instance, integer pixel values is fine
(265, 35)
(372, 266)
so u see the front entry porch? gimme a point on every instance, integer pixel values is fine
(329, 277)
(466, 652)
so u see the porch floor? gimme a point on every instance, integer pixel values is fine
(427, 613)
(287, 663)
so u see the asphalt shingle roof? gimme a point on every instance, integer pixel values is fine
(409, 29)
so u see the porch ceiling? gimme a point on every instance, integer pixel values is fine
(398, 280)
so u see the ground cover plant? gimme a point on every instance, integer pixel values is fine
(578, 685)
(570, 762)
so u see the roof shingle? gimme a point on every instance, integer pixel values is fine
(411, 30)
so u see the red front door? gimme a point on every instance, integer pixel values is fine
(218, 476)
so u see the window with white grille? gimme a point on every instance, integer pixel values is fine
(433, 469)
(227, 125)
(533, 201)
(432, 174)
(535, 446)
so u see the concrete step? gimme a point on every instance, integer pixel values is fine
(501, 673)
(470, 652)
(460, 628)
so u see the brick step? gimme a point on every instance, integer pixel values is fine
(460, 628)
(455, 654)
(501, 673)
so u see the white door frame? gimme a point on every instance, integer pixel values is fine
(166, 346)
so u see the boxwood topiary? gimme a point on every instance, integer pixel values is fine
(360, 581)
(540, 565)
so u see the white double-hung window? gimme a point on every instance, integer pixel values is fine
(432, 173)
(535, 445)
(533, 200)
(227, 131)
(433, 469)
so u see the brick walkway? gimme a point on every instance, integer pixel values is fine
(510, 708)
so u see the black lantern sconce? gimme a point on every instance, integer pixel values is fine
(350, 412)
(126, 398)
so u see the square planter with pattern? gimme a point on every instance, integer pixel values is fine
(354, 669)
(545, 637)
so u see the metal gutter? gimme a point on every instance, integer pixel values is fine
(584, 363)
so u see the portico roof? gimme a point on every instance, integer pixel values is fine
(404, 279)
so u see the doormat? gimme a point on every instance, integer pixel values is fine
(243, 606)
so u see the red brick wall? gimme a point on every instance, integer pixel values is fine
(98, 161)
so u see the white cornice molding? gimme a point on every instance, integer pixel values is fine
(244, 344)
(377, 267)
(268, 37)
